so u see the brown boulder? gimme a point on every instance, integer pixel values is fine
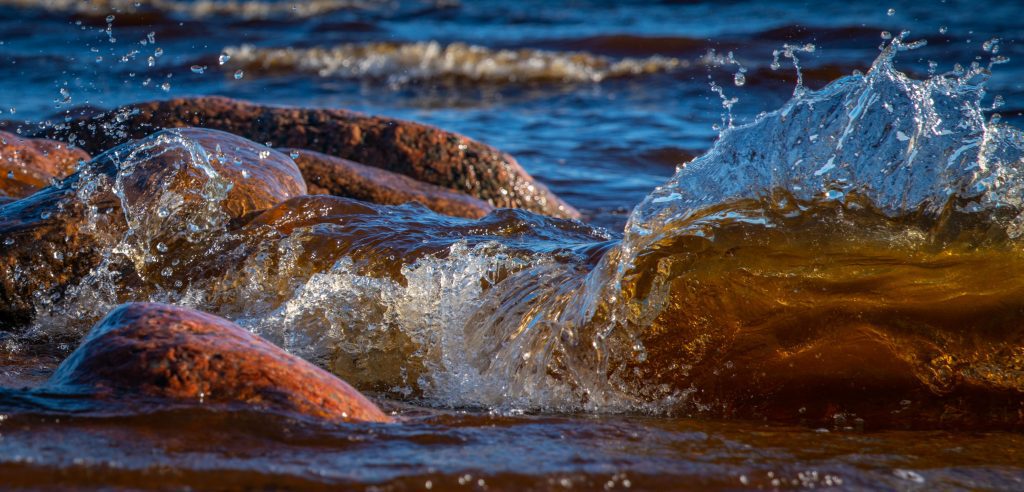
(172, 191)
(26, 164)
(166, 352)
(328, 175)
(419, 151)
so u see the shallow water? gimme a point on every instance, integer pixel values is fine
(878, 218)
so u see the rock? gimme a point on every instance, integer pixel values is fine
(419, 151)
(328, 175)
(26, 164)
(166, 352)
(174, 191)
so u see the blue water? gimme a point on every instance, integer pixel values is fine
(602, 146)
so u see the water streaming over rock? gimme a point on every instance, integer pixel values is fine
(860, 240)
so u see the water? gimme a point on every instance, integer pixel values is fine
(872, 223)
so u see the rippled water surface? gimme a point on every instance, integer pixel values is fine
(770, 191)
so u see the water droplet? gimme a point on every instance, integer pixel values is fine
(198, 69)
(166, 86)
(739, 79)
(223, 58)
(943, 30)
(110, 18)
(264, 154)
(9, 241)
(158, 52)
(294, 154)
(57, 255)
(886, 35)
(161, 247)
(45, 215)
(151, 37)
(166, 272)
(245, 173)
(163, 212)
(239, 74)
(891, 12)
(151, 61)
(10, 174)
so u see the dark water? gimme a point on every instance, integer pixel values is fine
(602, 129)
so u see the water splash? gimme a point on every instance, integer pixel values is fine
(804, 231)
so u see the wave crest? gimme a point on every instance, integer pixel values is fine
(430, 60)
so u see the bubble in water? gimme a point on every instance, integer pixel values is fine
(224, 57)
(739, 79)
(245, 173)
(264, 154)
(886, 35)
(198, 69)
(166, 272)
(10, 174)
(151, 61)
(166, 86)
(9, 241)
(151, 37)
(161, 247)
(891, 12)
(158, 52)
(943, 30)
(294, 154)
(163, 212)
(239, 74)
(110, 18)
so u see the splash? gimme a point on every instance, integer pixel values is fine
(432, 61)
(863, 236)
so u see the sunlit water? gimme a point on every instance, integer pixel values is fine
(884, 205)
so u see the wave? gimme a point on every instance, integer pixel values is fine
(202, 9)
(433, 61)
(858, 249)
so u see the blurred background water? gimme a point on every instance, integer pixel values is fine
(618, 94)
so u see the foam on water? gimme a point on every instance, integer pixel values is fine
(430, 60)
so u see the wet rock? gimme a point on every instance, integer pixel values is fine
(165, 352)
(27, 165)
(328, 175)
(170, 192)
(419, 151)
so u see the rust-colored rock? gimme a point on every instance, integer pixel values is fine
(419, 151)
(328, 175)
(166, 352)
(179, 190)
(27, 165)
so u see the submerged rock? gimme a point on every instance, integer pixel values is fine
(419, 151)
(168, 193)
(328, 175)
(166, 352)
(27, 164)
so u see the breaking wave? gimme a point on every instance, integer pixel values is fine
(430, 60)
(877, 218)
(246, 10)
